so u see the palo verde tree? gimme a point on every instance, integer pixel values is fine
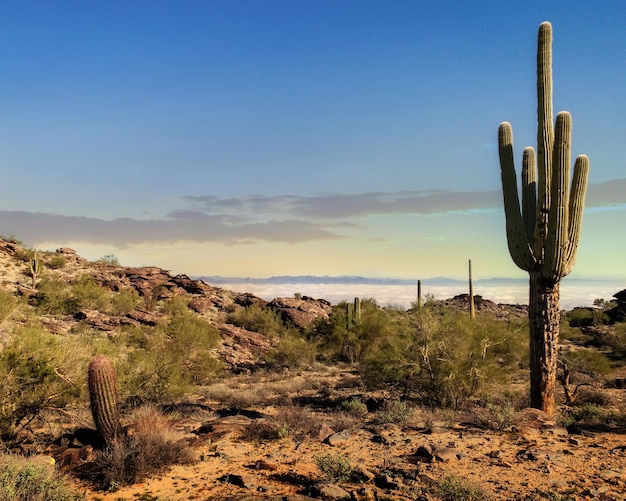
(544, 230)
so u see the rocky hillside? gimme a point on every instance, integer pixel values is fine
(239, 348)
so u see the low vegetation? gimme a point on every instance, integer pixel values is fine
(391, 367)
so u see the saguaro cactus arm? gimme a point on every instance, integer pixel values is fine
(576, 206)
(519, 246)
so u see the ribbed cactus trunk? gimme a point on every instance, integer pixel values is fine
(544, 317)
(543, 228)
(103, 398)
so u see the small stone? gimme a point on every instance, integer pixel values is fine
(330, 492)
(338, 438)
(325, 432)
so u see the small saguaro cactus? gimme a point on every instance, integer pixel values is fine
(419, 294)
(471, 292)
(357, 311)
(34, 266)
(103, 398)
(543, 230)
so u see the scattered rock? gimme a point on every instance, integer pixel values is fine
(304, 312)
(325, 432)
(330, 492)
(338, 438)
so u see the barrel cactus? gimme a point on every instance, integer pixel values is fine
(543, 229)
(104, 398)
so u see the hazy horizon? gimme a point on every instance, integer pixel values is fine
(574, 292)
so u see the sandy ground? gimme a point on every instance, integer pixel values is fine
(533, 459)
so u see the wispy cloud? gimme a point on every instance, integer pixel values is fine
(427, 202)
(338, 206)
(180, 226)
(285, 218)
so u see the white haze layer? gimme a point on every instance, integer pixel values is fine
(575, 293)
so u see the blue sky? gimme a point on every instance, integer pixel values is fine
(258, 138)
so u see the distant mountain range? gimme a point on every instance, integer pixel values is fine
(354, 279)
(348, 279)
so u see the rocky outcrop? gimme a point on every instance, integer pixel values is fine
(462, 302)
(302, 312)
(618, 313)
(240, 348)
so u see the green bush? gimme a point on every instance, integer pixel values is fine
(584, 317)
(124, 301)
(171, 357)
(86, 294)
(292, 350)
(38, 370)
(8, 304)
(453, 488)
(109, 259)
(395, 412)
(350, 343)
(444, 357)
(57, 261)
(335, 467)
(54, 297)
(24, 479)
(355, 407)
(256, 319)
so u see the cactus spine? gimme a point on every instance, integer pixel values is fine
(34, 265)
(103, 398)
(543, 230)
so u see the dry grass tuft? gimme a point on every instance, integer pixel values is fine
(149, 447)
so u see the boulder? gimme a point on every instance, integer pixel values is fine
(301, 312)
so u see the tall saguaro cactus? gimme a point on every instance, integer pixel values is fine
(543, 230)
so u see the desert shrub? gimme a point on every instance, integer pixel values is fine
(150, 448)
(257, 319)
(603, 304)
(8, 303)
(350, 343)
(109, 259)
(38, 371)
(171, 357)
(496, 416)
(588, 412)
(444, 358)
(123, 301)
(24, 254)
(354, 406)
(584, 317)
(301, 422)
(56, 261)
(292, 350)
(453, 488)
(87, 294)
(615, 341)
(23, 479)
(335, 467)
(396, 412)
(53, 296)
(263, 431)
